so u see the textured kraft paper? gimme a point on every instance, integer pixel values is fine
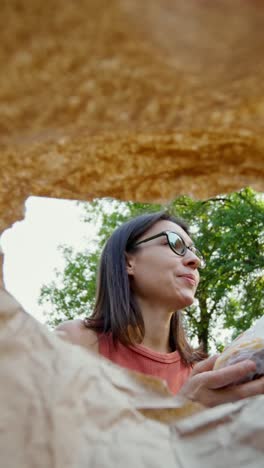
(62, 406)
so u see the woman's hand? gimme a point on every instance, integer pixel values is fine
(215, 387)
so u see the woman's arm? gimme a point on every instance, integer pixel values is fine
(75, 332)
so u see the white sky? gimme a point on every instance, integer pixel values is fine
(31, 247)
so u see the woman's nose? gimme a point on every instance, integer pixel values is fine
(191, 259)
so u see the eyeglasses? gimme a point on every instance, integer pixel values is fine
(177, 245)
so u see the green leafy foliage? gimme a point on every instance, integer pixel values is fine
(228, 230)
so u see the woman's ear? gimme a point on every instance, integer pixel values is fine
(130, 264)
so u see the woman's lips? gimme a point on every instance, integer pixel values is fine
(189, 279)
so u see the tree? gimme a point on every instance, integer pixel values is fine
(229, 230)
(230, 233)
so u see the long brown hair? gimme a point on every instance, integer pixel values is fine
(116, 309)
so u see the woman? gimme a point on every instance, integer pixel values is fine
(148, 273)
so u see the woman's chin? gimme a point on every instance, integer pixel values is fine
(185, 301)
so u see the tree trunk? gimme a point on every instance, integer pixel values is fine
(203, 332)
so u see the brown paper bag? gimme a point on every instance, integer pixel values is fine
(61, 406)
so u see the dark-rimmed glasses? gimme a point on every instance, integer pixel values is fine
(177, 245)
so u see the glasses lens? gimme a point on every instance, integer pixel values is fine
(178, 246)
(176, 243)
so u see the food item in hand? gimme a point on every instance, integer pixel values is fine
(249, 345)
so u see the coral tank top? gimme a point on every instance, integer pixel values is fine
(166, 366)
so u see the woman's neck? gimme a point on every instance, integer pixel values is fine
(157, 327)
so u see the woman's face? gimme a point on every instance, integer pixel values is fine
(160, 276)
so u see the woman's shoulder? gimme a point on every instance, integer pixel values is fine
(77, 333)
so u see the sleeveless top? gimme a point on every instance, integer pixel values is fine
(166, 366)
